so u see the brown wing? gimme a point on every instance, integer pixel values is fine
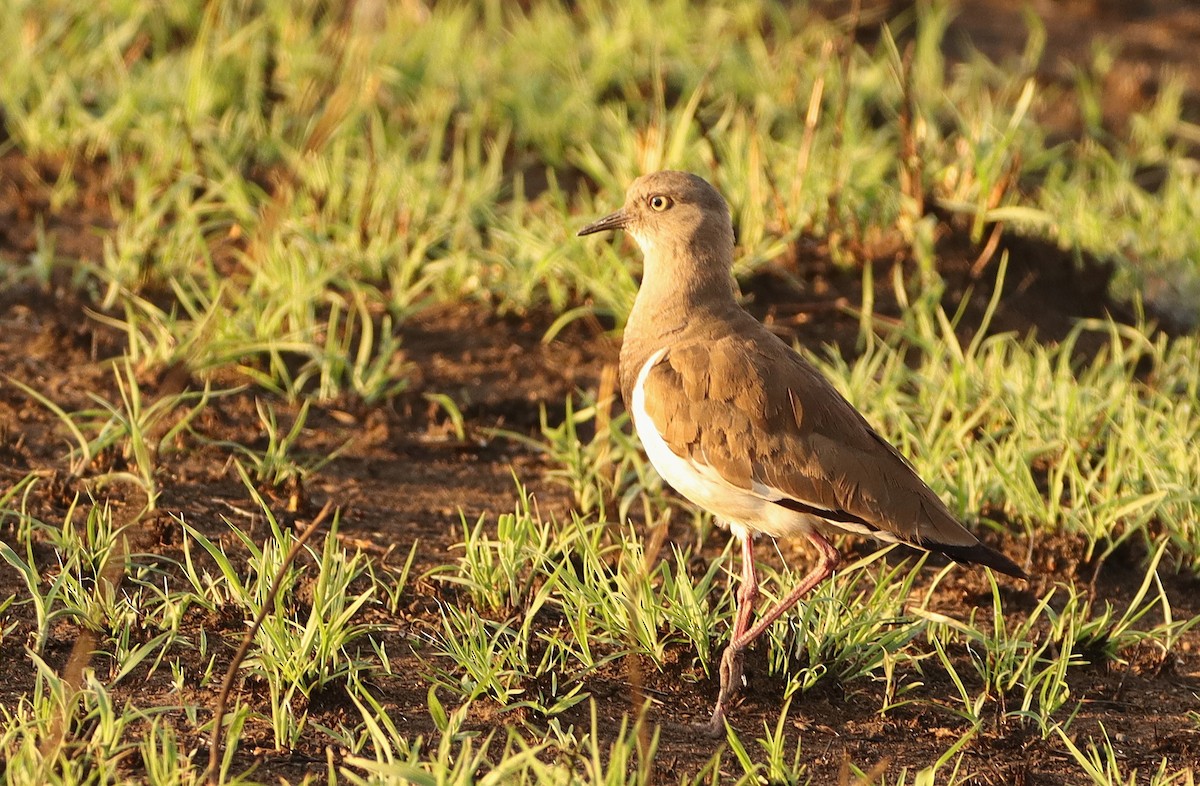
(758, 413)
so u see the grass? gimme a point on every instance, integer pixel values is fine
(271, 192)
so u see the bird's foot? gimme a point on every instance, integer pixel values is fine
(731, 683)
(715, 728)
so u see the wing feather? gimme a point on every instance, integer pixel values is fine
(769, 423)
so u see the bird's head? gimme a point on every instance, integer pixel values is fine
(672, 212)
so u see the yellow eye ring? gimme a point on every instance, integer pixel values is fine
(659, 203)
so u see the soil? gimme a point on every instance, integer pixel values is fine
(403, 476)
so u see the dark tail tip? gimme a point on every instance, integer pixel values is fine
(979, 554)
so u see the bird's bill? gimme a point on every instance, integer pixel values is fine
(615, 220)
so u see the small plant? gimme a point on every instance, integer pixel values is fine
(277, 465)
(777, 768)
(849, 627)
(499, 573)
(1102, 764)
(599, 460)
(133, 429)
(301, 647)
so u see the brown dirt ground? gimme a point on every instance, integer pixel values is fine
(404, 477)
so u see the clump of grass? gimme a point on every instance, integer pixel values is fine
(125, 437)
(279, 464)
(302, 646)
(1103, 765)
(847, 629)
(1023, 664)
(500, 573)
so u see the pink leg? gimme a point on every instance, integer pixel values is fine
(828, 559)
(748, 593)
(731, 661)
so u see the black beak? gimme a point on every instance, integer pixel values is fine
(615, 220)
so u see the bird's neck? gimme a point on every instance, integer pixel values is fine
(678, 294)
(678, 284)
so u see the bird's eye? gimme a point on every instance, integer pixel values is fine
(659, 203)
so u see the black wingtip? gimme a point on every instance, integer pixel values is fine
(979, 554)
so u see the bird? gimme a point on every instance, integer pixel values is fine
(743, 426)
